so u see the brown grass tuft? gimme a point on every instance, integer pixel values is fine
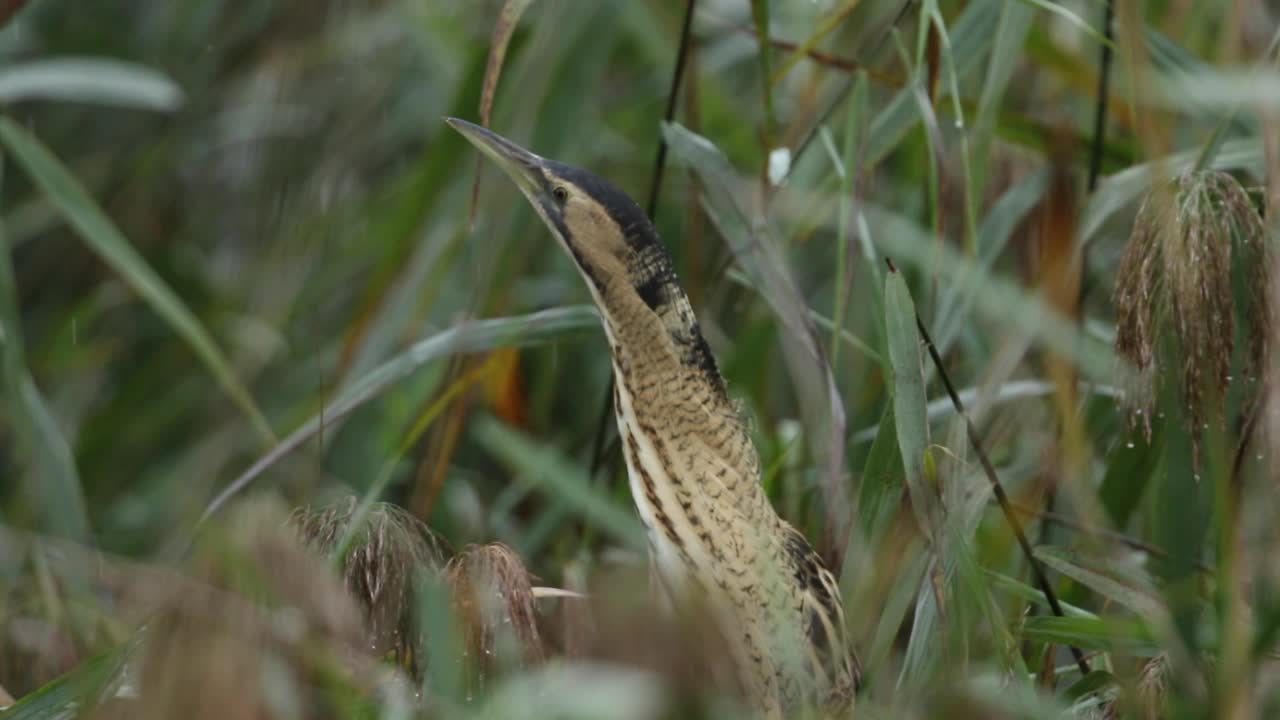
(493, 595)
(1174, 294)
(260, 623)
(380, 568)
(626, 622)
(1153, 688)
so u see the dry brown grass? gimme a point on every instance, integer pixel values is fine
(381, 568)
(257, 625)
(493, 596)
(1194, 240)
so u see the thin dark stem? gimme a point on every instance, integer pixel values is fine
(1097, 147)
(655, 189)
(673, 95)
(996, 487)
(1100, 114)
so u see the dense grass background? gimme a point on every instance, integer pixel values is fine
(227, 224)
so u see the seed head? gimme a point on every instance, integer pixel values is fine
(1195, 240)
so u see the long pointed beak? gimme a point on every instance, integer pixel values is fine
(522, 166)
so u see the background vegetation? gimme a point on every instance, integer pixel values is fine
(230, 225)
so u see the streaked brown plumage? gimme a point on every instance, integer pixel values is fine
(694, 472)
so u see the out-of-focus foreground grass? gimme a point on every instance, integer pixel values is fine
(239, 249)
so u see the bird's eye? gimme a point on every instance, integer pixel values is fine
(560, 193)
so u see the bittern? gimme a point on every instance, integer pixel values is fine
(693, 469)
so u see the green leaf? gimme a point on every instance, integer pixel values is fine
(1131, 464)
(68, 694)
(1123, 635)
(1010, 35)
(1001, 300)
(1090, 684)
(90, 80)
(52, 480)
(96, 229)
(1070, 17)
(970, 37)
(1136, 599)
(548, 468)
(882, 479)
(1019, 589)
(470, 337)
(909, 406)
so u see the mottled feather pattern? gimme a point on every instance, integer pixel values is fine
(696, 481)
(693, 469)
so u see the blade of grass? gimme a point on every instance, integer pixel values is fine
(1125, 635)
(53, 482)
(1011, 33)
(760, 16)
(1070, 17)
(996, 487)
(882, 480)
(68, 695)
(949, 528)
(545, 466)
(90, 80)
(910, 421)
(996, 297)
(503, 30)
(66, 193)
(470, 337)
(830, 23)
(848, 167)
(1140, 600)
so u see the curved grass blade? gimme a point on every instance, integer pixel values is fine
(52, 477)
(1124, 188)
(503, 30)
(66, 193)
(1011, 33)
(1124, 635)
(469, 337)
(909, 406)
(90, 80)
(67, 695)
(1142, 601)
(971, 37)
(545, 466)
(995, 296)
(1003, 393)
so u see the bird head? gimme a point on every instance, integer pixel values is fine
(608, 237)
(612, 243)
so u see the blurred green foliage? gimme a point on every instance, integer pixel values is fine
(221, 220)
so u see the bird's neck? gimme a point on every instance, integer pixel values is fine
(663, 364)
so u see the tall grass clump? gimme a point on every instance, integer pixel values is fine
(245, 270)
